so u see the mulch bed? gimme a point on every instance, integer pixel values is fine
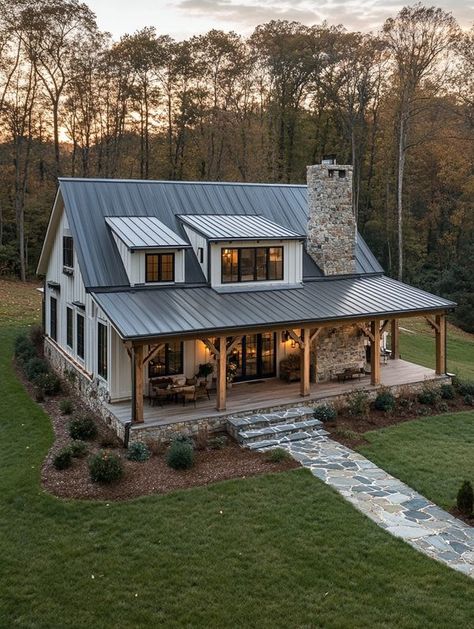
(140, 479)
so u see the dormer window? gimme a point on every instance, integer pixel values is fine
(68, 252)
(159, 267)
(251, 264)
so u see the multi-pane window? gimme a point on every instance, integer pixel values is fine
(53, 318)
(69, 327)
(80, 335)
(159, 267)
(68, 252)
(168, 361)
(102, 350)
(251, 264)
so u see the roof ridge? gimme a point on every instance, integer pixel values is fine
(178, 181)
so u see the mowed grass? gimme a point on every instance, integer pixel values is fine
(274, 551)
(433, 455)
(417, 345)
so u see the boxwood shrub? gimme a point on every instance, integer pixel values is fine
(180, 455)
(78, 448)
(34, 367)
(447, 391)
(105, 467)
(63, 459)
(49, 383)
(385, 401)
(138, 451)
(325, 412)
(465, 498)
(83, 427)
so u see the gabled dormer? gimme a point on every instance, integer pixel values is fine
(151, 252)
(240, 252)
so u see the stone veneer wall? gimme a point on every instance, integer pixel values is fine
(92, 390)
(338, 349)
(331, 225)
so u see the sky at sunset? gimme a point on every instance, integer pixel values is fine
(182, 18)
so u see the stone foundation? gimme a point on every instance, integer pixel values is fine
(339, 349)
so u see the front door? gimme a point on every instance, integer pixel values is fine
(255, 357)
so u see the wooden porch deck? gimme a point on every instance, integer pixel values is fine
(255, 396)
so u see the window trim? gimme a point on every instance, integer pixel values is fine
(160, 266)
(102, 352)
(53, 329)
(68, 249)
(167, 370)
(239, 267)
(83, 344)
(70, 327)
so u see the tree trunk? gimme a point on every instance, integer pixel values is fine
(401, 171)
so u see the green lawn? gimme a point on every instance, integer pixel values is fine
(433, 455)
(275, 551)
(419, 347)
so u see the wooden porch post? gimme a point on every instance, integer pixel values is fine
(137, 384)
(375, 353)
(440, 334)
(222, 375)
(395, 340)
(305, 361)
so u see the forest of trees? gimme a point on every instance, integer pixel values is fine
(398, 105)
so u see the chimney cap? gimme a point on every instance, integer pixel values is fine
(329, 159)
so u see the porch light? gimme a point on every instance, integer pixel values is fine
(285, 337)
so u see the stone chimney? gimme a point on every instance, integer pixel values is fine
(331, 224)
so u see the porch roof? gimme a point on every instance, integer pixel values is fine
(158, 312)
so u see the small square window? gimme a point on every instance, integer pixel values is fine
(342, 174)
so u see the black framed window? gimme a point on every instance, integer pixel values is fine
(80, 335)
(251, 264)
(69, 327)
(53, 318)
(102, 350)
(159, 267)
(168, 361)
(200, 253)
(68, 252)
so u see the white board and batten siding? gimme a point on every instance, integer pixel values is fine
(199, 243)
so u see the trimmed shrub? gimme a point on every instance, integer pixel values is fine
(325, 413)
(180, 455)
(63, 459)
(469, 400)
(442, 407)
(34, 367)
(428, 395)
(385, 401)
(217, 443)
(66, 407)
(465, 498)
(36, 336)
(83, 427)
(277, 455)
(465, 387)
(447, 391)
(49, 383)
(20, 341)
(78, 448)
(138, 451)
(24, 349)
(358, 404)
(105, 467)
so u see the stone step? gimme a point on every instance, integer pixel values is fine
(260, 420)
(277, 430)
(268, 444)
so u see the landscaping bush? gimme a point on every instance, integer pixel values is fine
(469, 400)
(180, 454)
(36, 336)
(358, 404)
(39, 394)
(83, 427)
(66, 407)
(325, 412)
(24, 349)
(465, 498)
(49, 383)
(63, 459)
(447, 391)
(34, 367)
(465, 387)
(385, 401)
(138, 451)
(105, 467)
(78, 448)
(217, 443)
(428, 395)
(277, 455)
(442, 407)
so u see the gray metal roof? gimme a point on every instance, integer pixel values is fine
(88, 201)
(180, 311)
(238, 226)
(144, 232)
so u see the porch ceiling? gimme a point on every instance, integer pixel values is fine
(167, 312)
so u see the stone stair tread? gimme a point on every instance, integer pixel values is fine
(270, 418)
(295, 436)
(276, 429)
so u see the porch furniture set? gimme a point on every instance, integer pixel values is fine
(177, 389)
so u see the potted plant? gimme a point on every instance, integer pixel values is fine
(205, 370)
(230, 373)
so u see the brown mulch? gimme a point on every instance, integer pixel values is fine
(140, 479)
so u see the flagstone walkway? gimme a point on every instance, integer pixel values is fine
(387, 501)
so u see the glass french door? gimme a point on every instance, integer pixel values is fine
(255, 357)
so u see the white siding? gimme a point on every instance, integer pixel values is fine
(198, 242)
